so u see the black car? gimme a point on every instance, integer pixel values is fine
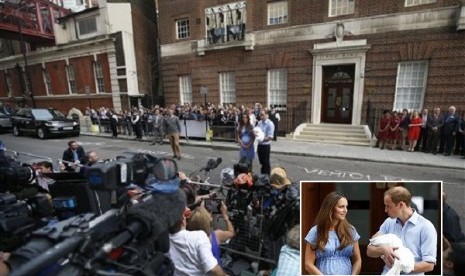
(43, 122)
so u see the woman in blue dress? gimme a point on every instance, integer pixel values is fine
(245, 138)
(332, 244)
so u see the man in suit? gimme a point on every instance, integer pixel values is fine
(434, 125)
(74, 155)
(450, 128)
(423, 132)
(460, 141)
(158, 127)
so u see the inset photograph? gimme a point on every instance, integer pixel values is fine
(351, 228)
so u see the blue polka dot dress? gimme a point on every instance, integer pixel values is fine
(332, 261)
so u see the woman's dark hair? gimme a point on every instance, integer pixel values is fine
(324, 220)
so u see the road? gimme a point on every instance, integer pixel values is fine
(298, 167)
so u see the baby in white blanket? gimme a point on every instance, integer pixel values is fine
(406, 260)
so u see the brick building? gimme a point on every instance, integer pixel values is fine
(105, 55)
(327, 59)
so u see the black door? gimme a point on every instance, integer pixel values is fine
(338, 93)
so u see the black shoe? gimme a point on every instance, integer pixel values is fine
(178, 157)
(153, 143)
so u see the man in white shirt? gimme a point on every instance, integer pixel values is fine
(191, 251)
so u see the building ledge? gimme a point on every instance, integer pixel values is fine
(461, 19)
(248, 44)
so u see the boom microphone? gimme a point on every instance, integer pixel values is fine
(158, 213)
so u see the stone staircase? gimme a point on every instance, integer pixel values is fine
(341, 134)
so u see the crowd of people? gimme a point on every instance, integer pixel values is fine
(255, 127)
(228, 114)
(196, 239)
(430, 133)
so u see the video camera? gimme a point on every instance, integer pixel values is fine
(19, 217)
(130, 240)
(14, 175)
(102, 186)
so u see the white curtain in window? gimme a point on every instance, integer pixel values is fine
(411, 85)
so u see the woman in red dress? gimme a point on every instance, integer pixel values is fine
(383, 132)
(413, 131)
(394, 131)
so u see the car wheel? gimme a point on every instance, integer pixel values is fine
(16, 131)
(42, 133)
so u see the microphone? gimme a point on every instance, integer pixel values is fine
(148, 219)
(213, 164)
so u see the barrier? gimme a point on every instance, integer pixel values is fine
(193, 129)
(224, 132)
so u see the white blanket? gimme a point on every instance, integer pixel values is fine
(259, 136)
(406, 260)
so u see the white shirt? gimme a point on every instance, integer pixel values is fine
(191, 253)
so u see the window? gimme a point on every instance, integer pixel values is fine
(227, 88)
(99, 77)
(123, 85)
(277, 13)
(182, 28)
(411, 85)
(9, 84)
(71, 79)
(87, 26)
(185, 89)
(410, 3)
(277, 88)
(341, 7)
(48, 82)
(226, 23)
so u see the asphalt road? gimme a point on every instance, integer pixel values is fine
(298, 167)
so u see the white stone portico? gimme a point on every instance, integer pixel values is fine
(339, 53)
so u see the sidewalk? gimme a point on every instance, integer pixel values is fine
(291, 147)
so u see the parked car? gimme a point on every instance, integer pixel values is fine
(5, 122)
(43, 122)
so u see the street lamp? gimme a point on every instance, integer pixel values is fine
(204, 92)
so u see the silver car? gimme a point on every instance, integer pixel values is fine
(5, 122)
